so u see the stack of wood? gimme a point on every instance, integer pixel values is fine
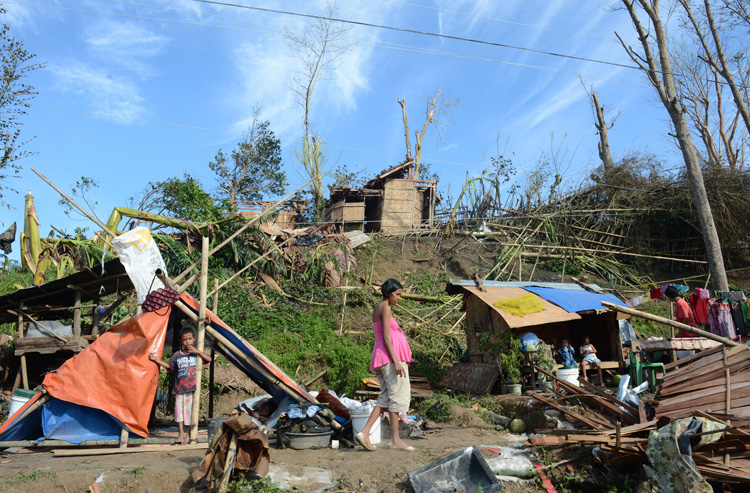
(713, 384)
(418, 381)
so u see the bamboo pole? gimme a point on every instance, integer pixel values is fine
(201, 339)
(231, 456)
(237, 233)
(215, 309)
(671, 323)
(608, 252)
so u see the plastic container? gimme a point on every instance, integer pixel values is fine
(463, 471)
(305, 441)
(19, 398)
(570, 376)
(359, 420)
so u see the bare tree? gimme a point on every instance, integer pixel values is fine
(739, 10)
(440, 115)
(602, 129)
(318, 48)
(715, 55)
(660, 74)
(712, 112)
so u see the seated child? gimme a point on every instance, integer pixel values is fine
(566, 353)
(185, 361)
(588, 352)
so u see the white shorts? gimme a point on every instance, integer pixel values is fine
(183, 408)
(395, 391)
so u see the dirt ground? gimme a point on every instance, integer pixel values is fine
(384, 470)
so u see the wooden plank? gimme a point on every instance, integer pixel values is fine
(611, 398)
(685, 362)
(711, 372)
(604, 439)
(545, 441)
(602, 403)
(129, 450)
(580, 417)
(642, 412)
(666, 392)
(715, 394)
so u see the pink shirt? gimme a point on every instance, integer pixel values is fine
(380, 356)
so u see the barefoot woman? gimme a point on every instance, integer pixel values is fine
(390, 359)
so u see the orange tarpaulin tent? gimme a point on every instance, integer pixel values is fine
(114, 373)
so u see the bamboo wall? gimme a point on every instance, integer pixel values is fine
(402, 206)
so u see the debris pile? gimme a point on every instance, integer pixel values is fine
(699, 418)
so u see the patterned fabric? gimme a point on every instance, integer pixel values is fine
(720, 318)
(183, 408)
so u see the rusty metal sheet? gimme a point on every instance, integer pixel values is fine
(551, 313)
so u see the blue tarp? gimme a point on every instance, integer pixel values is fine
(23, 429)
(75, 424)
(574, 300)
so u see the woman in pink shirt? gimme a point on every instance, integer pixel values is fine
(390, 360)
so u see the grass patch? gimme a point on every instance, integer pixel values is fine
(650, 328)
(137, 471)
(264, 485)
(438, 408)
(32, 476)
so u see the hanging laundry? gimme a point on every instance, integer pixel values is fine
(664, 288)
(682, 288)
(738, 319)
(738, 296)
(720, 318)
(703, 293)
(633, 302)
(700, 306)
(655, 293)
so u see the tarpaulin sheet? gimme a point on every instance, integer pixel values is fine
(260, 369)
(75, 424)
(574, 300)
(114, 373)
(22, 425)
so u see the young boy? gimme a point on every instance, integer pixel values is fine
(566, 353)
(185, 362)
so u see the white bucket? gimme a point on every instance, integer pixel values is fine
(570, 376)
(359, 420)
(19, 398)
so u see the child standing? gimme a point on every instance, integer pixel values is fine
(185, 361)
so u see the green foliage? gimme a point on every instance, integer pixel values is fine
(556, 265)
(137, 471)
(427, 282)
(505, 347)
(253, 170)
(343, 176)
(299, 337)
(14, 99)
(650, 328)
(264, 485)
(185, 198)
(438, 408)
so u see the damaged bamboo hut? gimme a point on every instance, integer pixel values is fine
(392, 202)
(569, 312)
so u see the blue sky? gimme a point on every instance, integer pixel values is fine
(142, 91)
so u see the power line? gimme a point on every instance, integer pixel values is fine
(374, 43)
(501, 20)
(231, 132)
(415, 31)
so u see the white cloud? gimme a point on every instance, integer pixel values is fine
(104, 93)
(126, 45)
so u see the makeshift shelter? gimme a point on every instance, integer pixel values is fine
(569, 312)
(111, 385)
(48, 316)
(287, 214)
(393, 201)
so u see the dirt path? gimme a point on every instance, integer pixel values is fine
(384, 470)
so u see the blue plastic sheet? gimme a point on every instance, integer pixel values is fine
(26, 428)
(75, 424)
(574, 300)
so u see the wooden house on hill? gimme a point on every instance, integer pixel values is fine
(393, 201)
(585, 316)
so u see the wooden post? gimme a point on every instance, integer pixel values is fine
(213, 356)
(124, 437)
(95, 317)
(201, 338)
(24, 372)
(77, 316)
(671, 315)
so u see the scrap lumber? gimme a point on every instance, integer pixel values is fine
(672, 323)
(129, 450)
